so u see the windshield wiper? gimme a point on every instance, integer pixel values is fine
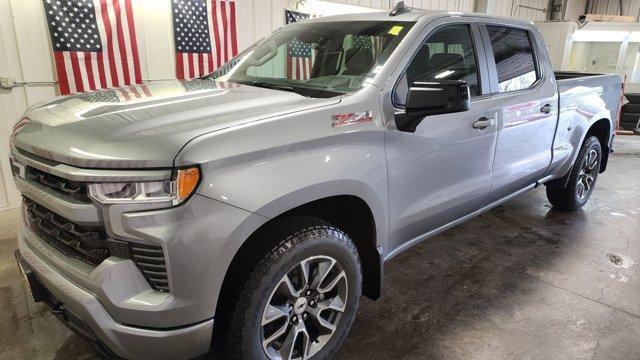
(304, 91)
(270, 85)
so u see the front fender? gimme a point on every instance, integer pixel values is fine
(275, 184)
(270, 167)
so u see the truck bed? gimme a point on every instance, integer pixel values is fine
(583, 100)
(567, 75)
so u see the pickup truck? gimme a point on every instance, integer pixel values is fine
(244, 213)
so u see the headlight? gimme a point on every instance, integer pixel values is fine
(174, 191)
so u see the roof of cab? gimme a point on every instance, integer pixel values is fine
(374, 16)
(413, 15)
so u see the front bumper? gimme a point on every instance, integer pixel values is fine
(113, 298)
(84, 314)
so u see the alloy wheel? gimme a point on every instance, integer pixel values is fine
(304, 309)
(587, 175)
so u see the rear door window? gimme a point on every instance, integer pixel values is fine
(513, 53)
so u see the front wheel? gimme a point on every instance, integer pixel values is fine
(300, 299)
(582, 179)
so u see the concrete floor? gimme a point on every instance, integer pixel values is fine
(520, 282)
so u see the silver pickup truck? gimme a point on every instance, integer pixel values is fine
(244, 213)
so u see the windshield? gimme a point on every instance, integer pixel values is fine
(316, 59)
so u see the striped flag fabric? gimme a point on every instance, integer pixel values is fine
(372, 43)
(204, 34)
(300, 55)
(121, 94)
(94, 44)
(208, 84)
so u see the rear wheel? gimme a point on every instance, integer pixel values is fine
(300, 299)
(582, 179)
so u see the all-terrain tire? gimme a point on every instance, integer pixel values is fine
(287, 242)
(570, 197)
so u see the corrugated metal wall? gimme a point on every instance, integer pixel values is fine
(451, 5)
(612, 7)
(519, 9)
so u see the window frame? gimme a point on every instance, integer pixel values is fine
(479, 50)
(491, 61)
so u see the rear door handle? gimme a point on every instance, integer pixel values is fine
(546, 109)
(483, 123)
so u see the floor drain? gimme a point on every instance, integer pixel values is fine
(620, 261)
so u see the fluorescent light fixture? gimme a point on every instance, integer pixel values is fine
(635, 36)
(444, 74)
(599, 35)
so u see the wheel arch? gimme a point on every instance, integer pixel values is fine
(601, 129)
(350, 213)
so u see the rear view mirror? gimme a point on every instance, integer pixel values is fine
(433, 98)
(261, 54)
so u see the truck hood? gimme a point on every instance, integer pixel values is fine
(146, 125)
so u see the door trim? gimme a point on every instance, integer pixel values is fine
(420, 238)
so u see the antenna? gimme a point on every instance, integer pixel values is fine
(400, 8)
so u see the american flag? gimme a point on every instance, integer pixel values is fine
(373, 43)
(204, 35)
(122, 94)
(300, 55)
(94, 44)
(207, 84)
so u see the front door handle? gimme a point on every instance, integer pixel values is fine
(483, 123)
(546, 109)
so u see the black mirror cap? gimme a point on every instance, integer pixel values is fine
(432, 98)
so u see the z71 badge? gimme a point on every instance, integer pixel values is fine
(352, 118)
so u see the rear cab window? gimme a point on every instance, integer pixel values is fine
(514, 58)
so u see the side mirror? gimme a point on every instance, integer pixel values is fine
(433, 98)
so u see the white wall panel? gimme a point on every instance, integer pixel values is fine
(574, 9)
(557, 37)
(154, 32)
(257, 18)
(375, 4)
(19, 26)
(25, 55)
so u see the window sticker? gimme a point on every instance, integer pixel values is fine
(395, 31)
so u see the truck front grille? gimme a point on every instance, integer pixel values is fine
(150, 260)
(88, 245)
(74, 189)
(93, 246)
